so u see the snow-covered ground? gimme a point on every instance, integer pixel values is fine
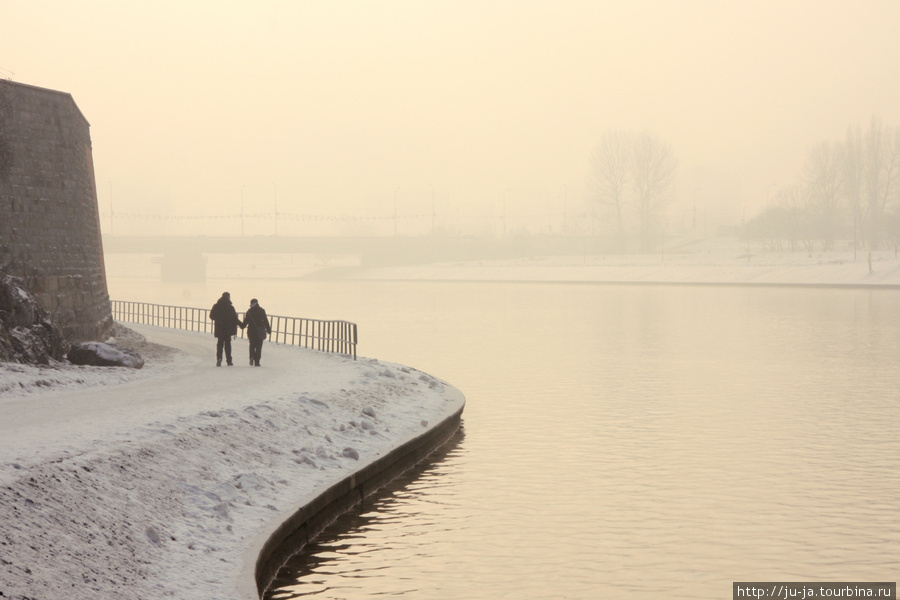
(161, 482)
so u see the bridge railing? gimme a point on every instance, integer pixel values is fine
(339, 337)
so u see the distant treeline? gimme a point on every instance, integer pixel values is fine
(849, 190)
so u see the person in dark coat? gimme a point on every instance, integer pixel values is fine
(226, 322)
(257, 324)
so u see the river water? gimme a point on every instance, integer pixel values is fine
(618, 441)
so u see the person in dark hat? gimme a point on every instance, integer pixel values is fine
(225, 322)
(258, 328)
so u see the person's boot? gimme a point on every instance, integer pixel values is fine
(218, 362)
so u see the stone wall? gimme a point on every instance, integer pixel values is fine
(49, 218)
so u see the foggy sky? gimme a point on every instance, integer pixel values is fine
(486, 107)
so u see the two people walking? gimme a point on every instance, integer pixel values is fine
(226, 322)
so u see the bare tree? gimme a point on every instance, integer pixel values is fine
(822, 175)
(611, 167)
(881, 151)
(859, 175)
(633, 171)
(890, 191)
(653, 173)
(852, 169)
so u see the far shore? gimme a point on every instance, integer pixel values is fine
(711, 261)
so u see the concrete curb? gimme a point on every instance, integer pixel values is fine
(308, 521)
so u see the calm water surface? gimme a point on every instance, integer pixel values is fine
(619, 441)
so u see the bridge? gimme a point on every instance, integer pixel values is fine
(182, 258)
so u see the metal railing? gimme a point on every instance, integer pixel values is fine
(328, 336)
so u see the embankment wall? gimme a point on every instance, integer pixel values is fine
(269, 553)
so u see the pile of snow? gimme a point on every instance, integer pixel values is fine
(26, 380)
(98, 354)
(152, 483)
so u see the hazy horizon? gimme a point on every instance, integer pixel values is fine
(347, 112)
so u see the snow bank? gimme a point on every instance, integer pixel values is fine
(117, 483)
(103, 355)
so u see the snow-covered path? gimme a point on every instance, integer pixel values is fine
(51, 419)
(152, 483)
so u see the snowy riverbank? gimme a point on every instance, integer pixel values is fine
(713, 261)
(162, 482)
